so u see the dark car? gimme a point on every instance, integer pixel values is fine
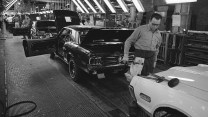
(43, 29)
(91, 49)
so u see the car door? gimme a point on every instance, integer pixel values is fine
(63, 38)
(34, 47)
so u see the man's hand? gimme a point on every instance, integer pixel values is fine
(125, 59)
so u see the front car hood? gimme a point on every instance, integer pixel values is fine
(105, 48)
(65, 18)
(106, 35)
(194, 76)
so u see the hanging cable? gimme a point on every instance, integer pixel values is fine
(6, 109)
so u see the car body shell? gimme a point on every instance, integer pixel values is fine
(60, 22)
(189, 97)
(43, 29)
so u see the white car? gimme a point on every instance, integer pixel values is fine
(176, 92)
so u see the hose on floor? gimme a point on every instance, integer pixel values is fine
(6, 109)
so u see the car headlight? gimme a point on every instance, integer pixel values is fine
(95, 60)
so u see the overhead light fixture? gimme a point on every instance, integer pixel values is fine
(88, 3)
(123, 5)
(179, 1)
(10, 5)
(79, 7)
(83, 6)
(110, 6)
(138, 5)
(99, 6)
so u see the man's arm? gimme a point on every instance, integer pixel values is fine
(132, 39)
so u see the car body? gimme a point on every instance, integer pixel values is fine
(186, 98)
(92, 49)
(43, 29)
(62, 18)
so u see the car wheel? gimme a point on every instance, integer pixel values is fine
(168, 113)
(74, 71)
(52, 56)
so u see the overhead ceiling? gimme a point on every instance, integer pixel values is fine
(148, 4)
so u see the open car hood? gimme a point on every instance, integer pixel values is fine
(105, 36)
(65, 17)
(194, 76)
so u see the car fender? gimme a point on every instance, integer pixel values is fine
(184, 103)
(74, 51)
(161, 95)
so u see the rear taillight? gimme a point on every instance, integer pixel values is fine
(95, 60)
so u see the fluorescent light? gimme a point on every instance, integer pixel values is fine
(79, 7)
(96, 2)
(10, 5)
(179, 1)
(110, 6)
(123, 5)
(83, 6)
(88, 3)
(138, 5)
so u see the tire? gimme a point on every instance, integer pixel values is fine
(167, 112)
(74, 71)
(52, 56)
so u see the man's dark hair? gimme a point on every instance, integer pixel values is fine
(156, 16)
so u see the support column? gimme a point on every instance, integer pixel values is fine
(72, 6)
(132, 13)
(183, 12)
(132, 24)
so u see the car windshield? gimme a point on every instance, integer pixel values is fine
(45, 24)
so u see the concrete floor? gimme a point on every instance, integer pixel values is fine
(36, 79)
(47, 83)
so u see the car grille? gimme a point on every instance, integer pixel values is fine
(112, 60)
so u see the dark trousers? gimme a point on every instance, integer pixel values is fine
(148, 62)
